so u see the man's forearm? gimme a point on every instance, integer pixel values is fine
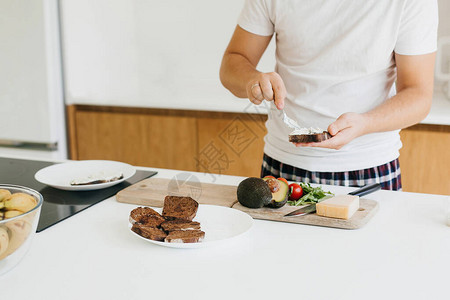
(235, 72)
(408, 107)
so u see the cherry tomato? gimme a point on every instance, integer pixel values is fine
(268, 176)
(296, 191)
(284, 180)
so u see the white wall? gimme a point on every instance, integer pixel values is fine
(444, 17)
(442, 86)
(149, 52)
(156, 53)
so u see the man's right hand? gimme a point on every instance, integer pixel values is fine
(267, 86)
(238, 70)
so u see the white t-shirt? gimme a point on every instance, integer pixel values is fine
(337, 56)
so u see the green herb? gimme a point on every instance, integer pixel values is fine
(310, 195)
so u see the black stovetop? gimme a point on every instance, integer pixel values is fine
(58, 204)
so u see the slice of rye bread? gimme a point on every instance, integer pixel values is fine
(179, 224)
(185, 236)
(149, 232)
(146, 215)
(309, 138)
(152, 220)
(176, 207)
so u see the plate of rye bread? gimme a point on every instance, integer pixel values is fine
(183, 223)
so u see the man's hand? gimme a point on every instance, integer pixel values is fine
(267, 86)
(346, 128)
(238, 71)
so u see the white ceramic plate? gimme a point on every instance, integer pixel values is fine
(60, 175)
(219, 223)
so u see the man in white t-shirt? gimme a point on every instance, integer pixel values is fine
(337, 62)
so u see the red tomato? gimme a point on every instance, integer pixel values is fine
(284, 180)
(296, 191)
(268, 176)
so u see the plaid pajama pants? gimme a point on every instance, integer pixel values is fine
(388, 175)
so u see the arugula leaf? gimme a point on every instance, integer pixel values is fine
(310, 195)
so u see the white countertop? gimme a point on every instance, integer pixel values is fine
(402, 253)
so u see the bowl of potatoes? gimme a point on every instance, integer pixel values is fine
(19, 215)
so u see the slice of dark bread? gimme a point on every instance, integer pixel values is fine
(149, 232)
(176, 207)
(309, 138)
(179, 224)
(141, 214)
(152, 220)
(185, 236)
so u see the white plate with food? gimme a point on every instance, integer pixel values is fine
(220, 224)
(85, 175)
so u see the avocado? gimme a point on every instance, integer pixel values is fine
(254, 192)
(280, 192)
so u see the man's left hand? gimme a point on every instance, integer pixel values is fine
(346, 128)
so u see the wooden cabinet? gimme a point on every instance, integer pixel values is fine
(231, 144)
(136, 138)
(425, 159)
(226, 143)
(211, 142)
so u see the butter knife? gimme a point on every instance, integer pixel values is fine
(312, 207)
(288, 121)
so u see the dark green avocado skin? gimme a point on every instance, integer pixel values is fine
(253, 192)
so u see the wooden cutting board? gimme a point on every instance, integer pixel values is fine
(152, 191)
(367, 208)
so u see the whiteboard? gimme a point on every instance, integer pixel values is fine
(148, 53)
(31, 103)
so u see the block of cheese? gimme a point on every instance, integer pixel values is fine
(340, 207)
